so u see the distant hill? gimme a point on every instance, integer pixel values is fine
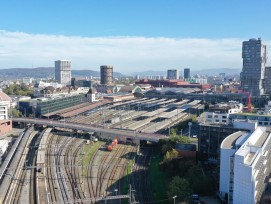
(44, 72)
(149, 73)
(228, 71)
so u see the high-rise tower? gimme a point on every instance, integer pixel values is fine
(186, 73)
(254, 61)
(172, 74)
(63, 72)
(106, 74)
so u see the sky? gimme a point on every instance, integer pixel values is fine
(131, 35)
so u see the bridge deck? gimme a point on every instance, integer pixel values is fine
(89, 128)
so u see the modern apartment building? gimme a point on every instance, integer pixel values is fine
(219, 113)
(106, 72)
(211, 136)
(63, 72)
(245, 165)
(186, 73)
(172, 74)
(254, 56)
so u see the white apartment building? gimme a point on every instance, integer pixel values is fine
(201, 81)
(245, 164)
(219, 113)
(4, 106)
(63, 72)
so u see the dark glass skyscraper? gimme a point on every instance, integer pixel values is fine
(254, 60)
(186, 73)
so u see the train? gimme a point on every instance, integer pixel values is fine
(113, 144)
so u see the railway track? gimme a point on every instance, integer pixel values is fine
(13, 194)
(140, 178)
(104, 178)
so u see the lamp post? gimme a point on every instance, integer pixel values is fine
(189, 124)
(116, 190)
(174, 198)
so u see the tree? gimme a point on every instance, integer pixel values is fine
(179, 187)
(170, 155)
(173, 132)
(165, 148)
(16, 113)
(194, 119)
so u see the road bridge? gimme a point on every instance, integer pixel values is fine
(88, 128)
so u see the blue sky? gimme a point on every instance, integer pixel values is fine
(131, 35)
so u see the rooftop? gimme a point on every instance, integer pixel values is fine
(4, 97)
(229, 142)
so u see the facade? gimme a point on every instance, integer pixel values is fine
(106, 74)
(5, 122)
(81, 82)
(173, 74)
(186, 73)
(219, 113)
(245, 166)
(201, 81)
(91, 95)
(63, 72)
(211, 136)
(173, 83)
(42, 106)
(27, 80)
(254, 56)
(267, 80)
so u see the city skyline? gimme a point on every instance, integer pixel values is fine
(132, 36)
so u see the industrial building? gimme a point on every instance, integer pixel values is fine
(81, 82)
(5, 122)
(63, 72)
(172, 74)
(106, 74)
(44, 106)
(254, 56)
(245, 165)
(173, 83)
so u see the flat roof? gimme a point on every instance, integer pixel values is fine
(229, 142)
(153, 113)
(261, 139)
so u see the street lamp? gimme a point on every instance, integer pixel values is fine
(189, 124)
(174, 198)
(116, 190)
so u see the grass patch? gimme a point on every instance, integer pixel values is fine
(158, 180)
(89, 151)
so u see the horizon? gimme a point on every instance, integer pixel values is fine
(175, 35)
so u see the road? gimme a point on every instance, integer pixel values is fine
(89, 128)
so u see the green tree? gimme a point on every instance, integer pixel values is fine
(173, 132)
(194, 118)
(170, 155)
(179, 187)
(16, 113)
(166, 147)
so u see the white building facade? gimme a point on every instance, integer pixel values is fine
(245, 165)
(63, 72)
(220, 113)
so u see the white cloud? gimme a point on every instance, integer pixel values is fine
(126, 54)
